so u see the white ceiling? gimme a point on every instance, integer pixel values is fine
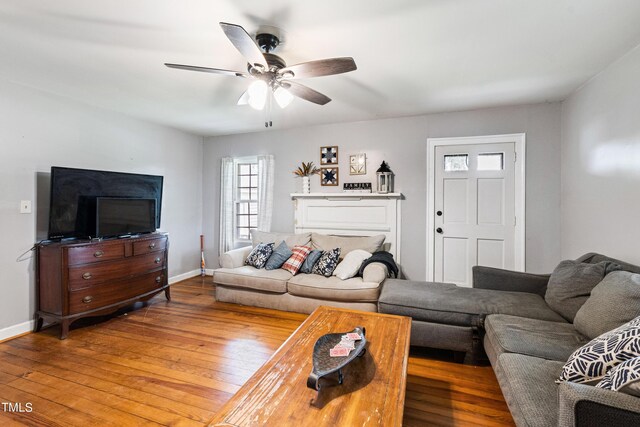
(413, 56)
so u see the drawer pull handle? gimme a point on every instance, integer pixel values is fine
(87, 299)
(98, 254)
(152, 245)
(158, 279)
(158, 260)
(86, 276)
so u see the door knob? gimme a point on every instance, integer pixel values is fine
(439, 213)
(439, 230)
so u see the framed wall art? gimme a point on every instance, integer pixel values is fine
(329, 176)
(329, 155)
(358, 164)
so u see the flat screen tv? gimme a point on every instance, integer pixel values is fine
(74, 193)
(116, 216)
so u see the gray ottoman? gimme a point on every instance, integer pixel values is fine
(450, 317)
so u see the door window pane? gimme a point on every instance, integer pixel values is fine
(490, 161)
(456, 162)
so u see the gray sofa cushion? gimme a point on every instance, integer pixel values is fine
(613, 302)
(291, 239)
(532, 337)
(529, 388)
(453, 305)
(347, 244)
(333, 289)
(571, 283)
(274, 281)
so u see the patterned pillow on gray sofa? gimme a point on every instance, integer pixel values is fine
(259, 255)
(625, 378)
(327, 263)
(591, 362)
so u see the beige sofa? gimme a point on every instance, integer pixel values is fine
(242, 284)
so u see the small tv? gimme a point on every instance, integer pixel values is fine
(74, 194)
(116, 216)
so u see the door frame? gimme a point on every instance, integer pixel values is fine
(520, 165)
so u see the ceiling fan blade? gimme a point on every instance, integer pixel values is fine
(245, 44)
(306, 93)
(321, 67)
(244, 98)
(207, 70)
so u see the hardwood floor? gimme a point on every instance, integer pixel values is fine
(177, 363)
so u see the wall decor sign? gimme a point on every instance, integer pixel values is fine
(329, 176)
(356, 187)
(329, 155)
(358, 164)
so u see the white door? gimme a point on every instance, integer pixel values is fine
(474, 209)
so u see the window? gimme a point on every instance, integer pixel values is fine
(246, 197)
(456, 162)
(490, 161)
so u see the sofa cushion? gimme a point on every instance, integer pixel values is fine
(295, 261)
(591, 362)
(624, 378)
(449, 304)
(310, 261)
(279, 256)
(613, 302)
(327, 263)
(259, 255)
(529, 389)
(332, 288)
(347, 243)
(291, 239)
(351, 263)
(532, 337)
(571, 283)
(274, 281)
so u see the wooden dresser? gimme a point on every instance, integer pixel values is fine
(89, 278)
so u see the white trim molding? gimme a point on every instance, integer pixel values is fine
(15, 330)
(519, 139)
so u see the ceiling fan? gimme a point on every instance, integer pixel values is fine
(271, 72)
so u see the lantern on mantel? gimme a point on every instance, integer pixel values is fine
(385, 178)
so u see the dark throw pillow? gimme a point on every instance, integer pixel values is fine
(279, 256)
(259, 255)
(327, 263)
(310, 261)
(571, 283)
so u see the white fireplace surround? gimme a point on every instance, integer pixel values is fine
(351, 214)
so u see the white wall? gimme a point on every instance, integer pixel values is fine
(37, 131)
(402, 143)
(601, 164)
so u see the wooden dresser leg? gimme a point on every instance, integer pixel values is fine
(64, 329)
(167, 293)
(39, 323)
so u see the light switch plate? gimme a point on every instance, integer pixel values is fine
(25, 206)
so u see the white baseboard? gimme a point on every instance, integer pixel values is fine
(189, 275)
(15, 330)
(21, 328)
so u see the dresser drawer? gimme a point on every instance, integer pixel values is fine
(92, 274)
(95, 253)
(147, 246)
(114, 292)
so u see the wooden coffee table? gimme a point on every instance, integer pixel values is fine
(372, 392)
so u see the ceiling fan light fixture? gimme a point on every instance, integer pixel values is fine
(283, 97)
(257, 94)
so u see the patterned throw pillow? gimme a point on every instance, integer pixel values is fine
(327, 263)
(259, 255)
(278, 257)
(311, 260)
(591, 362)
(624, 378)
(293, 264)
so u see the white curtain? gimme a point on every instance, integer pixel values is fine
(226, 205)
(266, 171)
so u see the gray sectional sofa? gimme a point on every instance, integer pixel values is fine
(526, 341)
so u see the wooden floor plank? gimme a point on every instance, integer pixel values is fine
(176, 363)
